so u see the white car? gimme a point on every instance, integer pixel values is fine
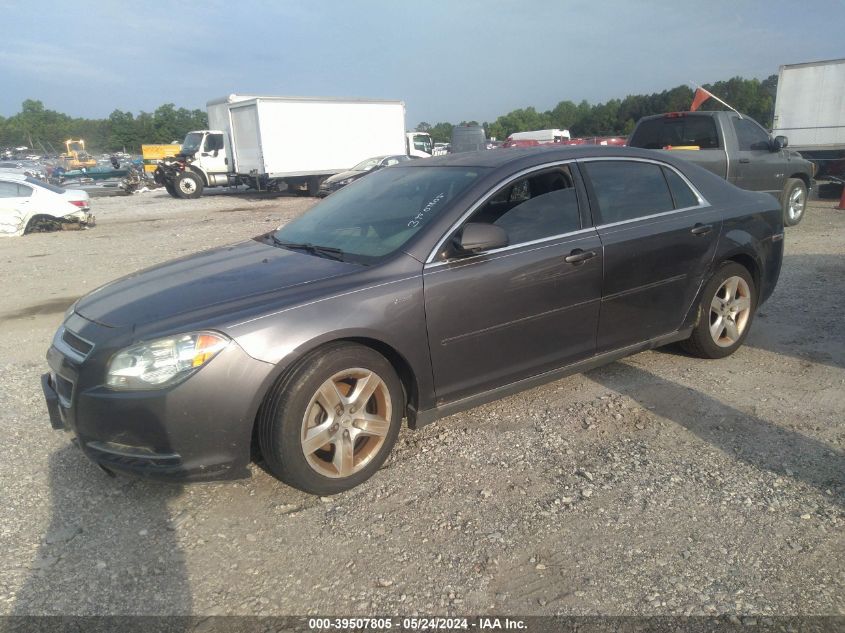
(25, 201)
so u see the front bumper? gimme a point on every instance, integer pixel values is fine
(197, 430)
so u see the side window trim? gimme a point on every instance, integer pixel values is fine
(536, 169)
(702, 201)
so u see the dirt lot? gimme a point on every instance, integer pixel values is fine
(661, 484)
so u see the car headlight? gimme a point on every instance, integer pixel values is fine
(345, 181)
(164, 361)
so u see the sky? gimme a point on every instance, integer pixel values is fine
(447, 60)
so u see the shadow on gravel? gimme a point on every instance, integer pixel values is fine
(110, 548)
(752, 439)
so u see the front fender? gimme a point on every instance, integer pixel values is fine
(390, 315)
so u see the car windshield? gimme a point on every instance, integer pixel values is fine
(375, 216)
(366, 165)
(192, 143)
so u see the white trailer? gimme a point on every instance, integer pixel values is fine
(541, 136)
(292, 138)
(282, 143)
(810, 112)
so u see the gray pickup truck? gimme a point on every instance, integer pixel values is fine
(736, 148)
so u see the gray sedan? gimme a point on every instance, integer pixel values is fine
(419, 291)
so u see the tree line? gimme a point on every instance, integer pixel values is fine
(46, 130)
(617, 117)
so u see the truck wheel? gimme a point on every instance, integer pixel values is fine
(168, 186)
(727, 307)
(188, 185)
(331, 423)
(794, 201)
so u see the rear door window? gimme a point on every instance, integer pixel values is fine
(627, 190)
(676, 131)
(14, 190)
(682, 195)
(8, 189)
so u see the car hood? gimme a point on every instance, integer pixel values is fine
(247, 271)
(344, 175)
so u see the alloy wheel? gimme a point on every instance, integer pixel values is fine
(346, 423)
(797, 201)
(730, 310)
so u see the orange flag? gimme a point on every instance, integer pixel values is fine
(701, 95)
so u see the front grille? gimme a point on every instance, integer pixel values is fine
(64, 388)
(74, 342)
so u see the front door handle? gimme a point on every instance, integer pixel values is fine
(701, 229)
(579, 256)
(744, 160)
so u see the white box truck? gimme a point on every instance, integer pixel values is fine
(282, 143)
(810, 112)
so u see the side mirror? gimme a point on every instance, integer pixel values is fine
(779, 142)
(477, 238)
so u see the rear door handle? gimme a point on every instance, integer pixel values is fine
(579, 256)
(744, 160)
(701, 229)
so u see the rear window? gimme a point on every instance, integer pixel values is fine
(45, 185)
(682, 131)
(14, 190)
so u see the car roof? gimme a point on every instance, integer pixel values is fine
(529, 156)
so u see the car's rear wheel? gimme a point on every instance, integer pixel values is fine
(168, 186)
(727, 308)
(332, 422)
(794, 201)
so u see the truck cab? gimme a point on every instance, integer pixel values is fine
(207, 151)
(419, 144)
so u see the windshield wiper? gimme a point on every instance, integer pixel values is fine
(313, 249)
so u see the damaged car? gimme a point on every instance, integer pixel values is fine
(28, 205)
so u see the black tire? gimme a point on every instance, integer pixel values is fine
(282, 422)
(188, 185)
(793, 201)
(702, 343)
(168, 186)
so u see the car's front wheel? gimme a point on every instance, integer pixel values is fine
(727, 308)
(188, 185)
(794, 201)
(331, 423)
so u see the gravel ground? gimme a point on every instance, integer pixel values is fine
(657, 485)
